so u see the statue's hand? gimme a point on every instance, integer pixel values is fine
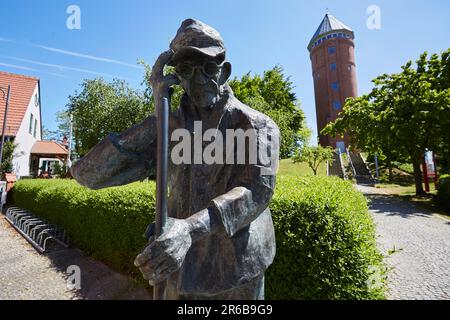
(161, 83)
(166, 254)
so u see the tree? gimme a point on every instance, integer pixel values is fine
(314, 156)
(272, 94)
(9, 153)
(405, 114)
(63, 129)
(101, 108)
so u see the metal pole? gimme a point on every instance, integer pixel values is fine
(377, 168)
(69, 159)
(5, 119)
(425, 174)
(436, 175)
(162, 116)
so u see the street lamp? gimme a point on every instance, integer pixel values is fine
(69, 161)
(5, 119)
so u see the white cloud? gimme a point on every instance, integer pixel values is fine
(75, 54)
(16, 66)
(86, 56)
(62, 67)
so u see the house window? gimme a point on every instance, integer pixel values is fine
(36, 100)
(333, 66)
(35, 128)
(30, 130)
(337, 105)
(332, 50)
(335, 86)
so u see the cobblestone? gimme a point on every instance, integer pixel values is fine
(27, 275)
(417, 245)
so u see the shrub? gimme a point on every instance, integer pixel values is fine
(444, 191)
(326, 245)
(108, 223)
(325, 235)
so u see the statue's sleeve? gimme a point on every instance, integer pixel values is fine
(255, 184)
(120, 158)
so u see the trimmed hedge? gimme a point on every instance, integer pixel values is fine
(325, 235)
(326, 246)
(444, 190)
(108, 224)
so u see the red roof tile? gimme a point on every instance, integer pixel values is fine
(48, 147)
(22, 88)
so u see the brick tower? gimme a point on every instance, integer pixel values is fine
(332, 53)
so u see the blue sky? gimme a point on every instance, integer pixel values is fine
(258, 35)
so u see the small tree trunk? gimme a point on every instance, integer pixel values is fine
(391, 176)
(418, 178)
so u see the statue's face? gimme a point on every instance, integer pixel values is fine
(202, 79)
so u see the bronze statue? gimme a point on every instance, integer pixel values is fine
(219, 239)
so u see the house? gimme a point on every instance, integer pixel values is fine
(24, 126)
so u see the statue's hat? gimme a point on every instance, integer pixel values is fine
(195, 36)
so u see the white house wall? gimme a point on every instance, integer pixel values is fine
(25, 140)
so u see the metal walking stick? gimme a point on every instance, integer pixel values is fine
(162, 116)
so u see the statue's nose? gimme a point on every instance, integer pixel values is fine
(199, 77)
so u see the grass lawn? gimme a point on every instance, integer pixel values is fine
(408, 193)
(402, 186)
(289, 168)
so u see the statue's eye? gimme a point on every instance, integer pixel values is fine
(210, 68)
(184, 70)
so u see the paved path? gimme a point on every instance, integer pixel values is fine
(26, 275)
(420, 264)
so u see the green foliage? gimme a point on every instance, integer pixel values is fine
(272, 94)
(314, 156)
(404, 115)
(60, 170)
(443, 194)
(326, 245)
(63, 129)
(102, 108)
(107, 223)
(325, 235)
(9, 153)
(289, 168)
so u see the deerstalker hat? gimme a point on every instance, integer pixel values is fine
(195, 36)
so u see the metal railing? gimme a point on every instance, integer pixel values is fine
(351, 163)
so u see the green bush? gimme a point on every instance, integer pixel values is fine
(444, 191)
(108, 223)
(325, 235)
(326, 245)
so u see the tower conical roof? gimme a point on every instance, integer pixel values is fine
(328, 25)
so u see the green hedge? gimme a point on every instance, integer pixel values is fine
(108, 223)
(325, 235)
(444, 190)
(326, 246)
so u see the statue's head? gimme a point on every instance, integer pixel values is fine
(199, 61)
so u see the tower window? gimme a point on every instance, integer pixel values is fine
(333, 66)
(337, 105)
(332, 50)
(335, 86)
